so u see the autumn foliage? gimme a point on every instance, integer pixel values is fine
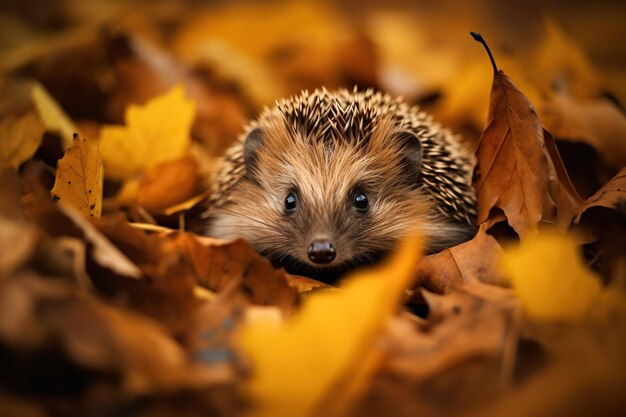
(110, 129)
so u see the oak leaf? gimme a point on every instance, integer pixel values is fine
(80, 177)
(19, 139)
(314, 362)
(155, 132)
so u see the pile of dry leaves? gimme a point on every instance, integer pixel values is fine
(111, 119)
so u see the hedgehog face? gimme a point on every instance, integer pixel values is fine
(319, 207)
(326, 181)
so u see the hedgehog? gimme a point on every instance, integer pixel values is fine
(324, 182)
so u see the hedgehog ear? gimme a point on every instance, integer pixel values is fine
(412, 149)
(251, 146)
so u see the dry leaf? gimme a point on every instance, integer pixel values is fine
(475, 260)
(155, 132)
(80, 177)
(19, 139)
(168, 184)
(94, 335)
(549, 277)
(299, 366)
(460, 356)
(218, 263)
(514, 172)
(53, 115)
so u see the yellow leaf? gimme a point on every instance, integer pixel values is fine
(79, 177)
(19, 139)
(155, 132)
(549, 277)
(53, 115)
(325, 350)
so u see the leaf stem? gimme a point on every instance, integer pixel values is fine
(479, 38)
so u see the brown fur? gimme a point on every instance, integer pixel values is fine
(325, 158)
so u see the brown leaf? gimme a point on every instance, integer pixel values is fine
(514, 173)
(475, 260)
(304, 284)
(80, 177)
(62, 221)
(165, 290)
(461, 356)
(93, 335)
(218, 263)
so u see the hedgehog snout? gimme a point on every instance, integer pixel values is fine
(321, 251)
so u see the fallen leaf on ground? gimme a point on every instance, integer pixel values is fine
(475, 260)
(218, 263)
(19, 139)
(155, 132)
(94, 335)
(80, 177)
(299, 368)
(459, 358)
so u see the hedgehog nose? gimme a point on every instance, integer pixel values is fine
(322, 251)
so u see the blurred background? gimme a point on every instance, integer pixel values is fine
(96, 57)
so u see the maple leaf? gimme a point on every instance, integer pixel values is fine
(79, 177)
(298, 364)
(155, 132)
(19, 139)
(514, 172)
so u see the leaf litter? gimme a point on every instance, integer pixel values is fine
(109, 306)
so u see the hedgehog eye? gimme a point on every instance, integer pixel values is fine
(360, 201)
(291, 201)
